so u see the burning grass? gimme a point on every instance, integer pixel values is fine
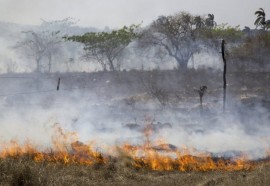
(66, 149)
(70, 161)
(23, 170)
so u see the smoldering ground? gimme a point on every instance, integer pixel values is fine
(114, 108)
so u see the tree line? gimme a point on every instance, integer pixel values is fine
(178, 36)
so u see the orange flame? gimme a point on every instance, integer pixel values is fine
(67, 149)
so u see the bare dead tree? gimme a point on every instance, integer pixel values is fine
(33, 46)
(44, 42)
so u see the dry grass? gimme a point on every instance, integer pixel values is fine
(24, 171)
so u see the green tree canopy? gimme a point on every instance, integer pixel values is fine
(105, 47)
(175, 35)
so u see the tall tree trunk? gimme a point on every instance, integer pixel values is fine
(181, 63)
(182, 66)
(111, 65)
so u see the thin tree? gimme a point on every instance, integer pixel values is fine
(33, 46)
(44, 42)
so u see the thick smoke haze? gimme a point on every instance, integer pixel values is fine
(99, 114)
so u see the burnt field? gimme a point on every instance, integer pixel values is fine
(134, 127)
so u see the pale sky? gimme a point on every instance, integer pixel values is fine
(116, 13)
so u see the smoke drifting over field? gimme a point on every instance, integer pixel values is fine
(149, 94)
(97, 108)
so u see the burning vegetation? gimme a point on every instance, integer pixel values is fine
(69, 161)
(159, 156)
(125, 119)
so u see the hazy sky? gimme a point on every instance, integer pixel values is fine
(116, 13)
